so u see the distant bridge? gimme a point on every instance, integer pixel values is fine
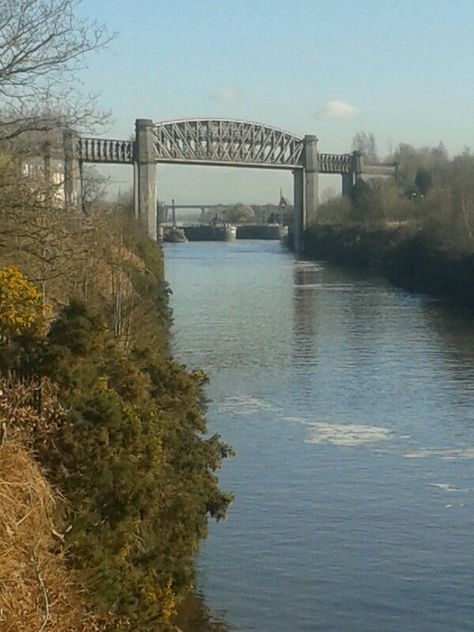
(202, 207)
(162, 209)
(217, 142)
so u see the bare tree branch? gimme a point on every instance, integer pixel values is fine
(42, 45)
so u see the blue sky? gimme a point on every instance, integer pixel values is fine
(403, 70)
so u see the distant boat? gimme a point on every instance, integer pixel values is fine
(174, 235)
(230, 232)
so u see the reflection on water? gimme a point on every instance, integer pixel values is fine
(351, 408)
(305, 292)
(455, 332)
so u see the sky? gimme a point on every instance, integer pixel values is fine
(402, 70)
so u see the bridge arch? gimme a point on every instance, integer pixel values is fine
(226, 142)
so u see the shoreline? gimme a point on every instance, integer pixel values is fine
(403, 256)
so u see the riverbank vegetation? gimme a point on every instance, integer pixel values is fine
(107, 471)
(418, 230)
(119, 430)
(110, 422)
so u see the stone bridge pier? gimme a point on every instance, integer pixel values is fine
(306, 191)
(145, 175)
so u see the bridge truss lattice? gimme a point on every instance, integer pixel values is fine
(218, 141)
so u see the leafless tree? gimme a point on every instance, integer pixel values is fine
(365, 143)
(93, 188)
(43, 44)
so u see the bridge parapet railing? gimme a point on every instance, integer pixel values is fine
(335, 163)
(105, 150)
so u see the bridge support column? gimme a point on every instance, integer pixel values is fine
(311, 172)
(306, 191)
(347, 183)
(145, 180)
(355, 174)
(135, 191)
(357, 165)
(299, 210)
(72, 171)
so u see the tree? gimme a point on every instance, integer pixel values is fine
(93, 188)
(423, 181)
(44, 238)
(366, 203)
(41, 43)
(241, 214)
(134, 460)
(365, 143)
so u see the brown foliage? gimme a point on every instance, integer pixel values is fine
(37, 590)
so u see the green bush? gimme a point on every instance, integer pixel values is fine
(135, 464)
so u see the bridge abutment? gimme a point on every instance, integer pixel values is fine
(145, 175)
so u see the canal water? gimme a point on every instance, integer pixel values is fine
(350, 406)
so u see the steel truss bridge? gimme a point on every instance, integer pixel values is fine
(214, 142)
(219, 142)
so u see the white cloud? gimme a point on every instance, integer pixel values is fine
(338, 109)
(226, 95)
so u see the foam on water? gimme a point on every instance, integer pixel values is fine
(347, 435)
(244, 405)
(441, 453)
(298, 420)
(447, 487)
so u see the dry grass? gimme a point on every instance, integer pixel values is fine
(19, 419)
(38, 593)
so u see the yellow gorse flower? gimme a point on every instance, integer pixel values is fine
(21, 305)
